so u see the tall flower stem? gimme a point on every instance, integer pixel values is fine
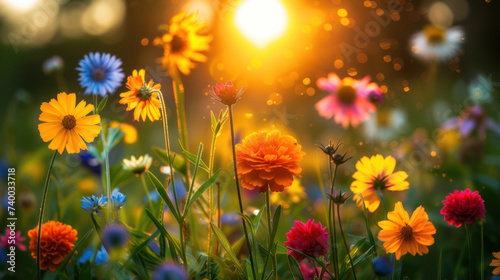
(40, 216)
(467, 232)
(167, 150)
(211, 201)
(271, 239)
(147, 192)
(345, 242)
(233, 144)
(331, 220)
(106, 163)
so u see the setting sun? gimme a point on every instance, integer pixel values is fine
(261, 21)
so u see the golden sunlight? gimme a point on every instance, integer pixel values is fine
(261, 21)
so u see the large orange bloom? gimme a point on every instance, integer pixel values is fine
(376, 174)
(65, 124)
(402, 234)
(182, 44)
(143, 97)
(57, 241)
(268, 159)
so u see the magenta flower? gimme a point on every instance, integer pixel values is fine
(463, 207)
(310, 239)
(349, 101)
(310, 271)
(4, 240)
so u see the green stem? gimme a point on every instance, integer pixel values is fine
(237, 184)
(482, 251)
(108, 180)
(271, 240)
(211, 201)
(469, 243)
(147, 192)
(40, 217)
(331, 220)
(345, 242)
(167, 150)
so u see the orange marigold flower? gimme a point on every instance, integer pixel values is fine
(57, 241)
(143, 97)
(65, 123)
(268, 159)
(402, 234)
(226, 94)
(376, 174)
(496, 262)
(182, 44)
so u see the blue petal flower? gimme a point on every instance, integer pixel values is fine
(117, 199)
(382, 266)
(101, 256)
(93, 204)
(169, 271)
(90, 162)
(115, 236)
(100, 73)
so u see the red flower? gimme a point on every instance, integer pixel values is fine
(463, 207)
(226, 94)
(310, 239)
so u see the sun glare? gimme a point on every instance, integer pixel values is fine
(261, 21)
(20, 5)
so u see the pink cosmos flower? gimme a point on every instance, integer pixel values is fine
(310, 239)
(350, 101)
(4, 240)
(463, 207)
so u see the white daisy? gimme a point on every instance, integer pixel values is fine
(437, 43)
(385, 125)
(138, 166)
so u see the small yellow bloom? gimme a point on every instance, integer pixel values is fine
(129, 130)
(65, 123)
(376, 174)
(182, 44)
(142, 97)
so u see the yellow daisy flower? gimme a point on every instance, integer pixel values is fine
(496, 263)
(67, 125)
(182, 44)
(376, 174)
(142, 97)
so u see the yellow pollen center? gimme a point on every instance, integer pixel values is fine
(434, 34)
(346, 94)
(69, 122)
(406, 231)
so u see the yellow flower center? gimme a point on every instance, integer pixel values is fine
(406, 231)
(69, 122)
(97, 75)
(384, 118)
(177, 44)
(346, 94)
(434, 34)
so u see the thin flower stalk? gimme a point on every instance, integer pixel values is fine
(40, 217)
(345, 242)
(147, 191)
(271, 239)
(237, 184)
(469, 243)
(331, 220)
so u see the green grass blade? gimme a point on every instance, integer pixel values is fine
(66, 260)
(227, 247)
(163, 194)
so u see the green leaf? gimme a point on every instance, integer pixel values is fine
(203, 188)
(96, 224)
(114, 136)
(294, 268)
(193, 159)
(225, 244)
(66, 260)
(174, 247)
(138, 248)
(178, 161)
(370, 235)
(276, 219)
(102, 104)
(163, 194)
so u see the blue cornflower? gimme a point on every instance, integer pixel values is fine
(169, 271)
(115, 236)
(100, 73)
(101, 256)
(382, 266)
(90, 162)
(117, 200)
(93, 204)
